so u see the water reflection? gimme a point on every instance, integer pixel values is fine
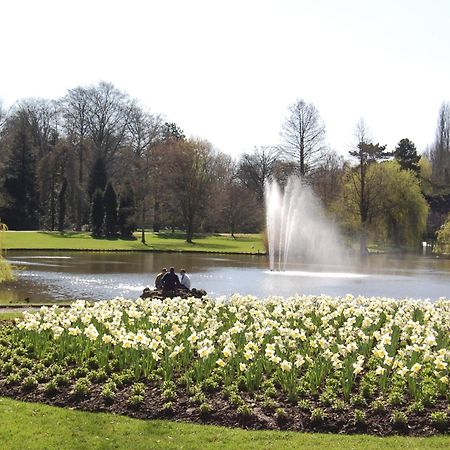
(45, 276)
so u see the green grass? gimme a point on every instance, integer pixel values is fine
(10, 315)
(35, 426)
(243, 243)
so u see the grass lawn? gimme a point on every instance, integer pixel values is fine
(45, 240)
(35, 426)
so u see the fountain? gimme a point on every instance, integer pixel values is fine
(298, 229)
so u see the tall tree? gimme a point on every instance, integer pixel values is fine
(110, 204)
(126, 211)
(440, 151)
(255, 169)
(97, 213)
(21, 209)
(97, 176)
(366, 153)
(398, 210)
(193, 171)
(303, 135)
(406, 155)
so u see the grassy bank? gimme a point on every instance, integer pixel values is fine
(222, 243)
(35, 426)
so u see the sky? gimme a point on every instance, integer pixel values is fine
(227, 70)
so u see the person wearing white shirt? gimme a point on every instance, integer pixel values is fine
(185, 281)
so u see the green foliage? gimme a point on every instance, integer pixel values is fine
(318, 415)
(126, 211)
(398, 211)
(359, 417)
(97, 213)
(399, 418)
(97, 176)
(439, 419)
(443, 238)
(281, 415)
(110, 203)
(406, 155)
(19, 181)
(205, 409)
(135, 400)
(81, 388)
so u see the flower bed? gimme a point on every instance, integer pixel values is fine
(304, 363)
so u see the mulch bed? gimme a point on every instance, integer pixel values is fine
(226, 415)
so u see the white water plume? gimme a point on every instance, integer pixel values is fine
(297, 227)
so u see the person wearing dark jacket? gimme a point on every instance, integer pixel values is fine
(170, 280)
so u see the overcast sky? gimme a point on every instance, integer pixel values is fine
(227, 70)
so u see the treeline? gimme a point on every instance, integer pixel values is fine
(96, 159)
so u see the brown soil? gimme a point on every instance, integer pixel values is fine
(225, 414)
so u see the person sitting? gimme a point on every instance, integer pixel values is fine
(185, 281)
(170, 280)
(158, 280)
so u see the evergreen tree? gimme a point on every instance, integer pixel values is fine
(406, 155)
(97, 176)
(126, 211)
(110, 203)
(97, 213)
(21, 210)
(62, 206)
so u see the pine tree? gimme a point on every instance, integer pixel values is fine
(110, 203)
(406, 155)
(97, 176)
(126, 212)
(21, 211)
(97, 213)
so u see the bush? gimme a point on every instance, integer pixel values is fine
(318, 415)
(29, 383)
(439, 419)
(359, 417)
(399, 418)
(205, 409)
(135, 400)
(81, 388)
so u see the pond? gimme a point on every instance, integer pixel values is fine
(62, 276)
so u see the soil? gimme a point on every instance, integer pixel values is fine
(223, 413)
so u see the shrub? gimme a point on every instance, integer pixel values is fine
(399, 418)
(108, 393)
(81, 388)
(138, 389)
(416, 407)
(338, 405)
(29, 383)
(169, 394)
(359, 417)
(304, 404)
(244, 411)
(51, 387)
(318, 415)
(439, 419)
(210, 385)
(167, 407)
(61, 380)
(281, 415)
(205, 409)
(135, 400)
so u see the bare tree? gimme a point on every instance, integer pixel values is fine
(254, 169)
(192, 173)
(440, 151)
(303, 136)
(108, 117)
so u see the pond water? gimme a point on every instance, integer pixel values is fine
(61, 276)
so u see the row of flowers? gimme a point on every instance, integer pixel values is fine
(298, 342)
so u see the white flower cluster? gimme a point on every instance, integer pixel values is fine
(276, 335)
